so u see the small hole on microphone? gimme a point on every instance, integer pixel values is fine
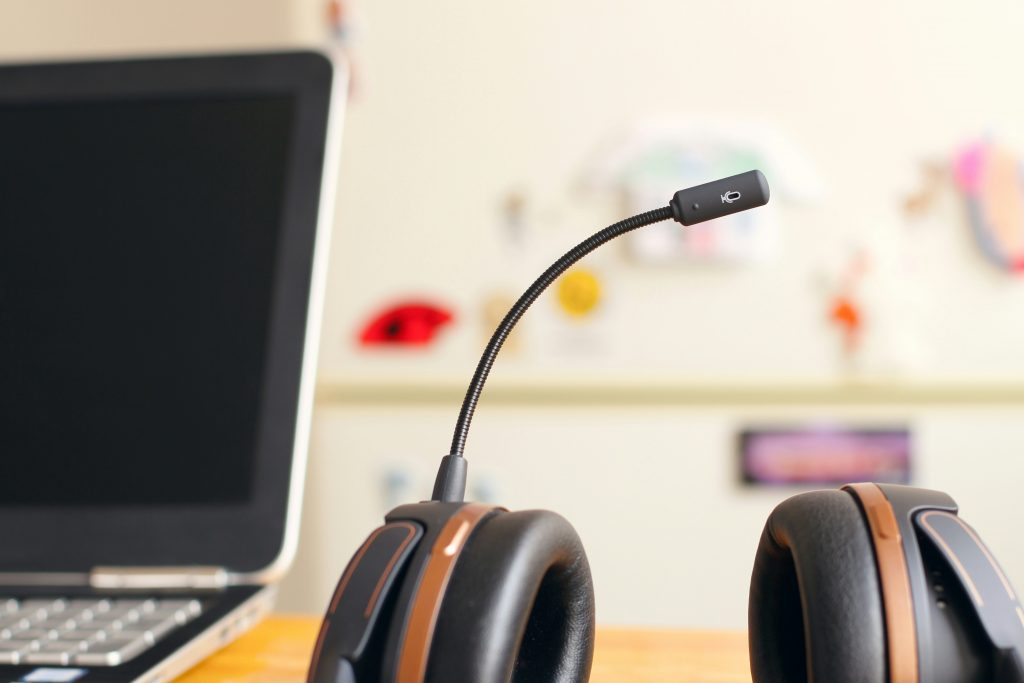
(696, 206)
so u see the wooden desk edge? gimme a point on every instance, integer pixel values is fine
(278, 650)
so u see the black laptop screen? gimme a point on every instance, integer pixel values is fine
(138, 241)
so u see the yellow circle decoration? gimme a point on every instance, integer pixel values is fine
(579, 292)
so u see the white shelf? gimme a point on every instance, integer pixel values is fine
(575, 392)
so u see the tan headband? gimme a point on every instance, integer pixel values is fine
(898, 603)
(412, 660)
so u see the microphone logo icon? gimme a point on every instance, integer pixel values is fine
(730, 196)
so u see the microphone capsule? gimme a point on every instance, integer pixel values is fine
(720, 198)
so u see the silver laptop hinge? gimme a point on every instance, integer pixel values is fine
(158, 578)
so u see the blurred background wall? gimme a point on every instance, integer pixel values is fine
(484, 139)
(66, 28)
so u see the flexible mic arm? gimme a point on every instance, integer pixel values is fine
(693, 205)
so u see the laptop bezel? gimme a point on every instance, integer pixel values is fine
(253, 541)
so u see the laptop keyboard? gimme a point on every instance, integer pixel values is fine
(89, 632)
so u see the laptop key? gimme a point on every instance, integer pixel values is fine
(90, 606)
(152, 629)
(85, 603)
(111, 652)
(52, 653)
(43, 606)
(192, 607)
(183, 611)
(180, 616)
(29, 615)
(122, 622)
(85, 636)
(35, 634)
(13, 651)
(10, 627)
(55, 624)
(142, 606)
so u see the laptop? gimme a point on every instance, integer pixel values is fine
(162, 258)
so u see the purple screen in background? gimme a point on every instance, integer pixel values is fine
(825, 455)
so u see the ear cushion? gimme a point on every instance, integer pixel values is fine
(519, 605)
(815, 601)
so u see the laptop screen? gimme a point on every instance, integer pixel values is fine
(137, 267)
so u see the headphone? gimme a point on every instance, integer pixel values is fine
(873, 582)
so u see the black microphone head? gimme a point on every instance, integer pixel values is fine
(720, 198)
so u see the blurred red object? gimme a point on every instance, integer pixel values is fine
(411, 323)
(846, 314)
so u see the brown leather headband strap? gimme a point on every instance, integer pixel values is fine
(900, 629)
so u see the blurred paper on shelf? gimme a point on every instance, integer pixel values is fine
(654, 158)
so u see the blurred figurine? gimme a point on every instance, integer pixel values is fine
(338, 21)
(493, 310)
(933, 182)
(989, 177)
(845, 310)
(845, 314)
(514, 217)
(341, 31)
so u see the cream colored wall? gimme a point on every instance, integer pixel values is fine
(64, 28)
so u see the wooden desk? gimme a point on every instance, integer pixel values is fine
(277, 651)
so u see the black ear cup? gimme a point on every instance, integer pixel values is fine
(519, 605)
(816, 609)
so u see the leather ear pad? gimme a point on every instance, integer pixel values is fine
(519, 605)
(815, 601)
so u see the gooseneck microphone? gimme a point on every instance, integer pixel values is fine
(689, 207)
